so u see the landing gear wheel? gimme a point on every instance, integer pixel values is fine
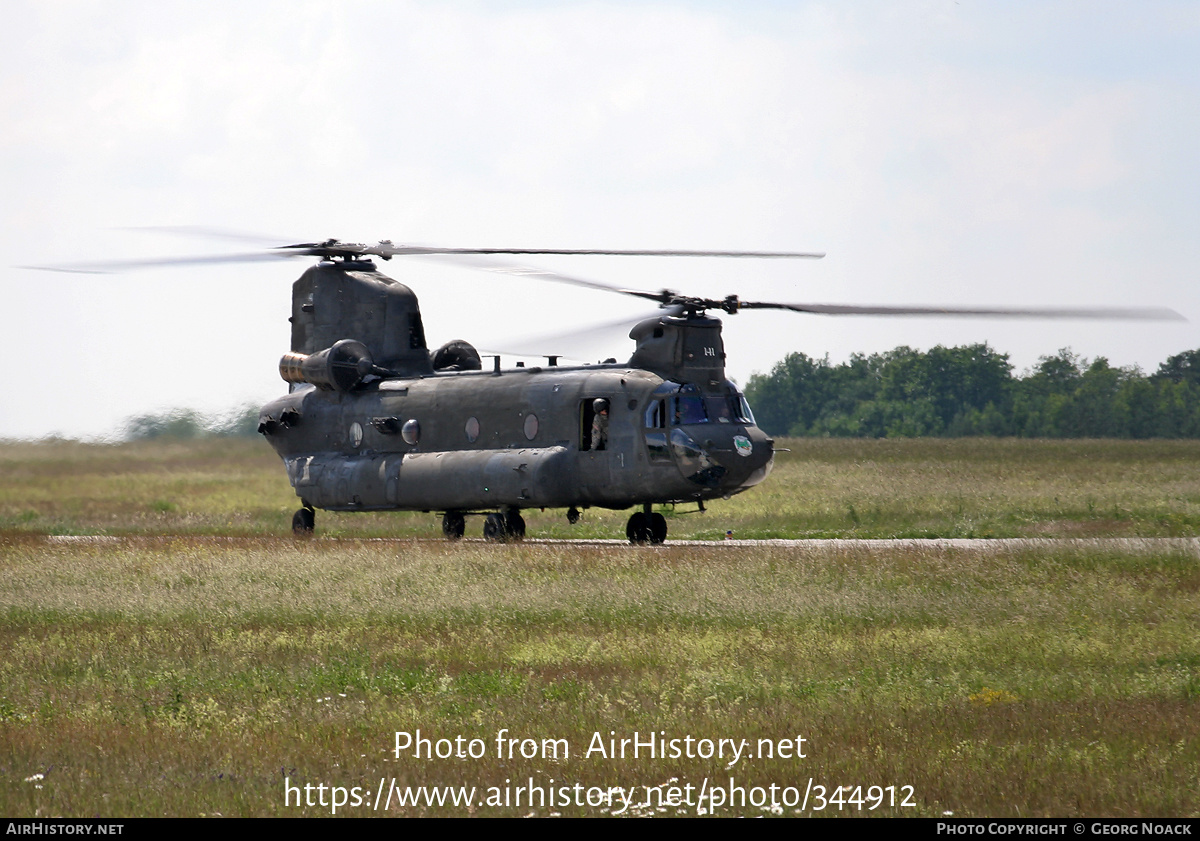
(493, 528)
(658, 528)
(572, 515)
(303, 522)
(514, 525)
(454, 525)
(638, 528)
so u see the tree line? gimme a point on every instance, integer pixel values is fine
(971, 390)
(188, 423)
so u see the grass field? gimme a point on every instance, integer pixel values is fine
(822, 488)
(199, 660)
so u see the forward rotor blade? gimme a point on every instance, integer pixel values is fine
(423, 249)
(204, 232)
(1098, 313)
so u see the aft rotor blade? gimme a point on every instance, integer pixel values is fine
(473, 261)
(1098, 313)
(335, 249)
(114, 266)
(572, 344)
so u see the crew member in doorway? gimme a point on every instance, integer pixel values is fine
(600, 424)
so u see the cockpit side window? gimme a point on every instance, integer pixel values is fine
(656, 415)
(738, 405)
(747, 415)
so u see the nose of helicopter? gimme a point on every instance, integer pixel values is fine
(745, 452)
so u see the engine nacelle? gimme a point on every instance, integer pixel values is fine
(456, 356)
(338, 368)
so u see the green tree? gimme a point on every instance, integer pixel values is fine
(188, 423)
(970, 390)
(953, 380)
(176, 423)
(1183, 367)
(791, 397)
(1093, 411)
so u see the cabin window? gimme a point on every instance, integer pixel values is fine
(472, 429)
(411, 431)
(531, 426)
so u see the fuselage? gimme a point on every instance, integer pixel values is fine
(517, 438)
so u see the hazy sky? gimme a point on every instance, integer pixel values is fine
(1004, 153)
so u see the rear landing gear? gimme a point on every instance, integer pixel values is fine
(507, 526)
(454, 525)
(514, 525)
(303, 522)
(493, 527)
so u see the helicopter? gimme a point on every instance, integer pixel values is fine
(375, 420)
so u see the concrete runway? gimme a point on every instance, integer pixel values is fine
(1127, 544)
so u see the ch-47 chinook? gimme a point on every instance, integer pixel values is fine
(376, 421)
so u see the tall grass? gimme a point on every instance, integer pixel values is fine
(186, 676)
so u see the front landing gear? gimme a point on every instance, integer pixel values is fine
(658, 528)
(646, 526)
(303, 522)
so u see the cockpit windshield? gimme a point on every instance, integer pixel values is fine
(686, 405)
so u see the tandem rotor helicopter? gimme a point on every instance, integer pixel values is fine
(374, 420)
